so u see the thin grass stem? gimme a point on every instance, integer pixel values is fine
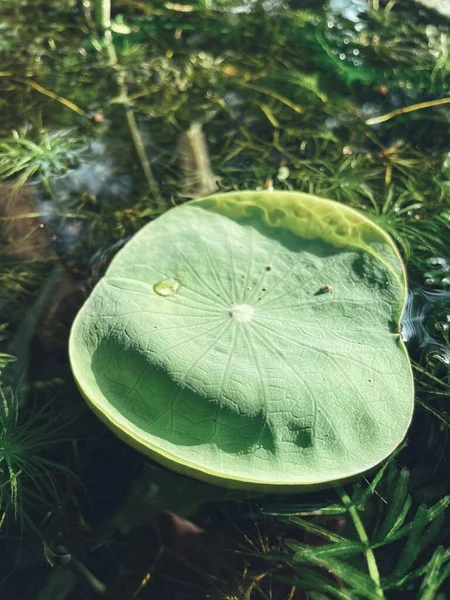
(362, 534)
(406, 109)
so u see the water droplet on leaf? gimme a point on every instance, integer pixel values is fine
(166, 287)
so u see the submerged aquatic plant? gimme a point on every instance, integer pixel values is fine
(52, 154)
(368, 541)
(5, 358)
(368, 521)
(27, 477)
(274, 342)
(399, 213)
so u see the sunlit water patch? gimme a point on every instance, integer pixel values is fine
(421, 326)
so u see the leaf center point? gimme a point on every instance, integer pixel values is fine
(242, 313)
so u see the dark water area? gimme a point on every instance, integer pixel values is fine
(103, 129)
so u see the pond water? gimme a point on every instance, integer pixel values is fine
(105, 128)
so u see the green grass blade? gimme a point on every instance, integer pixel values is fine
(431, 514)
(413, 544)
(444, 575)
(355, 579)
(310, 580)
(396, 512)
(431, 581)
(302, 510)
(338, 550)
(314, 529)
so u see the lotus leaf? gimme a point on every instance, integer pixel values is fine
(251, 340)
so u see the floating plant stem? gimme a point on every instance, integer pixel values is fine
(434, 412)
(257, 88)
(139, 145)
(406, 109)
(50, 94)
(103, 18)
(103, 13)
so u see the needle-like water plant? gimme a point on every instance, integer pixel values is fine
(52, 154)
(5, 358)
(369, 541)
(375, 519)
(28, 479)
(404, 217)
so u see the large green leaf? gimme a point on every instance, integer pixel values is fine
(251, 339)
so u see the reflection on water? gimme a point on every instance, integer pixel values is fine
(94, 182)
(442, 6)
(419, 326)
(95, 176)
(426, 316)
(349, 9)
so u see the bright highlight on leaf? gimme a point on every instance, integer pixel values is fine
(251, 340)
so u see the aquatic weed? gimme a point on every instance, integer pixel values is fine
(52, 154)
(27, 477)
